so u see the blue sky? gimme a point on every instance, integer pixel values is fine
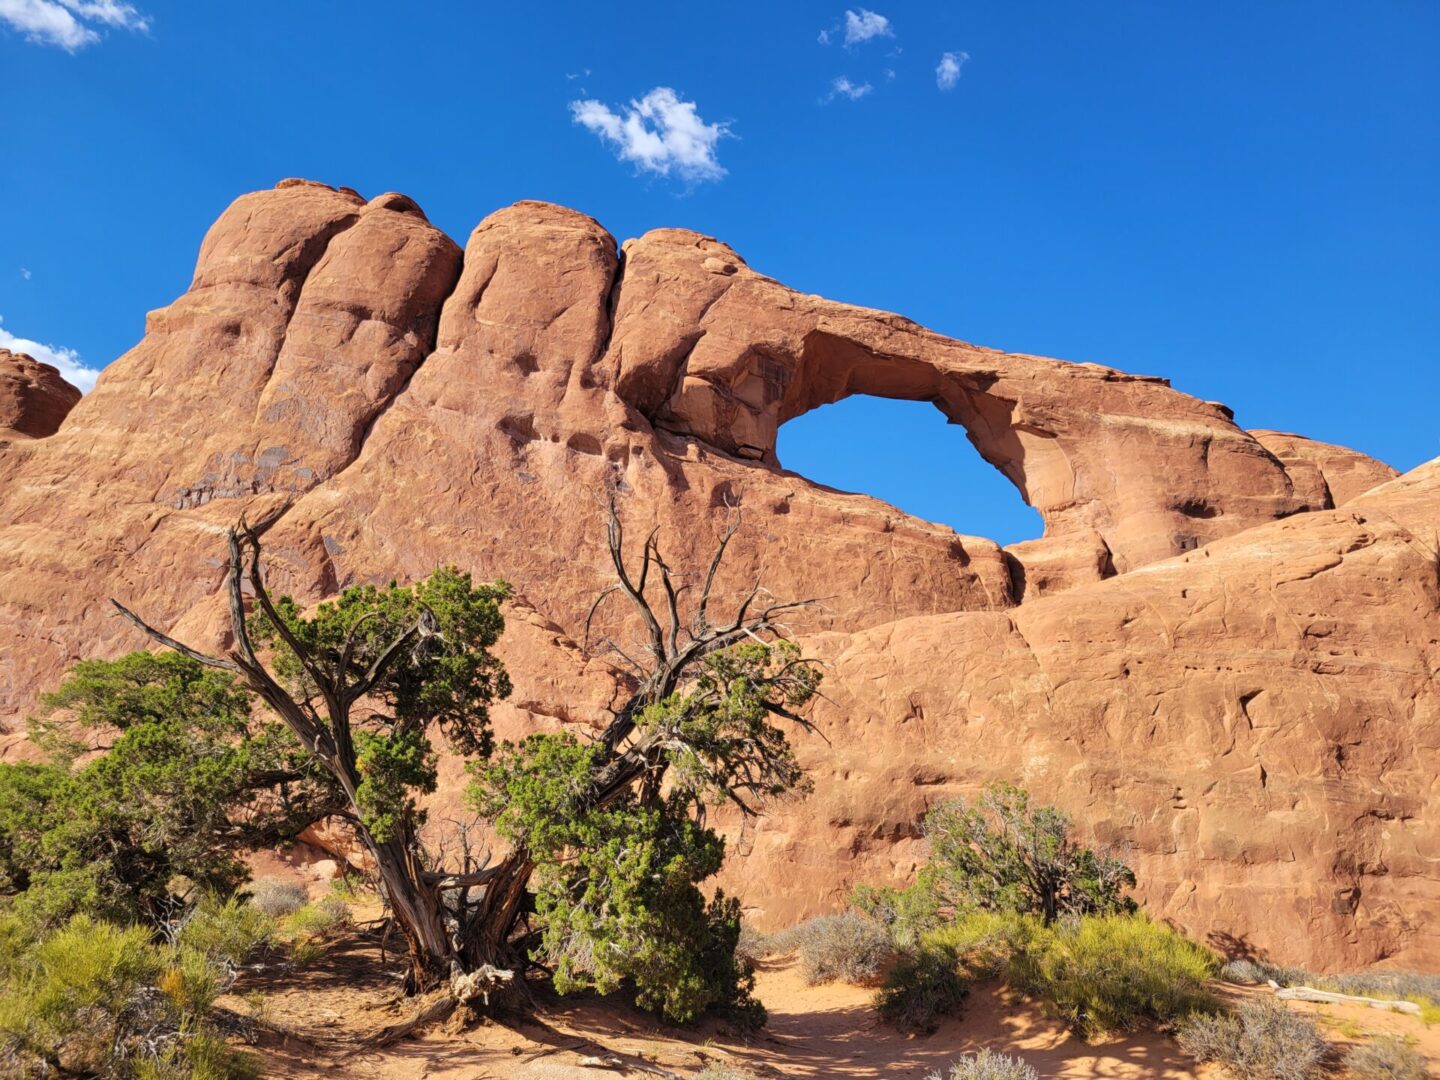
(1243, 197)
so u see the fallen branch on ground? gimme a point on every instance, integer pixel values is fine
(1327, 997)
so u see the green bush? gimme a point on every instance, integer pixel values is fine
(1261, 1041)
(921, 987)
(907, 914)
(981, 941)
(69, 999)
(226, 932)
(841, 948)
(97, 999)
(204, 1056)
(1385, 1058)
(1003, 854)
(988, 1065)
(1108, 972)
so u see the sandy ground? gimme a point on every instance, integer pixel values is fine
(316, 1019)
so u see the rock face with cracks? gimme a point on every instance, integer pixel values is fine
(1221, 654)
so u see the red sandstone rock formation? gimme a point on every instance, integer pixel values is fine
(1324, 475)
(34, 399)
(1201, 658)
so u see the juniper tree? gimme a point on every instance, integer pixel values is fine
(185, 777)
(608, 838)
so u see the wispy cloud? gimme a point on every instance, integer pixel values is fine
(860, 26)
(947, 72)
(843, 87)
(69, 24)
(659, 133)
(66, 361)
(25, 273)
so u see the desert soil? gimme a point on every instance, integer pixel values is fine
(315, 1023)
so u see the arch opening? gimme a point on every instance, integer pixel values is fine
(908, 454)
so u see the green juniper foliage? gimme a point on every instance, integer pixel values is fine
(186, 778)
(447, 678)
(618, 870)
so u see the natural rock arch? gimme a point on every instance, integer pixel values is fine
(910, 455)
(1123, 469)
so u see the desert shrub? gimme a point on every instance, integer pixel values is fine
(1385, 1058)
(907, 914)
(76, 992)
(1108, 972)
(753, 945)
(1262, 971)
(1424, 990)
(320, 919)
(204, 1056)
(981, 941)
(922, 986)
(841, 948)
(1002, 854)
(277, 898)
(718, 1070)
(1398, 984)
(1261, 1041)
(988, 1065)
(226, 932)
(98, 999)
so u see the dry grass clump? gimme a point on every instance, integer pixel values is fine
(1251, 971)
(320, 919)
(1385, 1058)
(717, 1070)
(753, 945)
(988, 1065)
(277, 898)
(840, 948)
(1262, 1040)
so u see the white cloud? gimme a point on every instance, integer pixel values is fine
(67, 361)
(25, 273)
(659, 133)
(947, 72)
(70, 24)
(863, 25)
(843, 87)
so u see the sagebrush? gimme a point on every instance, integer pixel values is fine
(1262, 1040)
(988, 1065)
(841, 948)
(1386, 1057)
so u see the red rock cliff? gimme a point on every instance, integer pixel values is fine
(1202, 658)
